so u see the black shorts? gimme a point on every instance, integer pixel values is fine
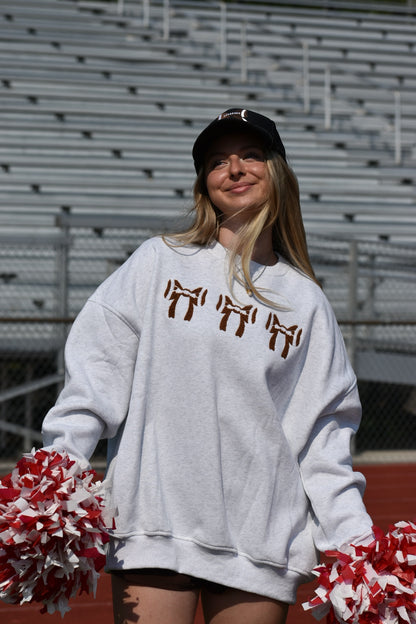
(167, 579)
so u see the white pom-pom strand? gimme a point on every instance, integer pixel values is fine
(372, 584)
(53, 531)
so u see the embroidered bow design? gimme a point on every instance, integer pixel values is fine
(291, 334)
(174, 291)
(246, 313)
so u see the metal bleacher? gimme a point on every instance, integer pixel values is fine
(100, 104)
(98, 111)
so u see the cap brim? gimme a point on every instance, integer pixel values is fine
(219, 128)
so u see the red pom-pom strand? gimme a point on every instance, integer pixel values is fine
(373, 584)
(53, 531)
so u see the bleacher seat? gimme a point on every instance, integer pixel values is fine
(98, 113)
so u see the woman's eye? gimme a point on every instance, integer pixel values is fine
(253, 155)
(216, 163)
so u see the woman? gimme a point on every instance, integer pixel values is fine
(213, 363)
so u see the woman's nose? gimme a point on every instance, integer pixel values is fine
(236, 166)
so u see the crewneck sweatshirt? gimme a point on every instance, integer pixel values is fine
(228, 421)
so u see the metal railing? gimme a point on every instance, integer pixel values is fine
(371, 285)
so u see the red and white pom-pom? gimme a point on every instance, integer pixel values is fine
(374, 584)
(52, 531)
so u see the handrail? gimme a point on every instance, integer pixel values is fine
(31, 386)
(37, 319)
(19, 430)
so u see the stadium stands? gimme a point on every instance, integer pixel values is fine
(92, 101)
(99, 109)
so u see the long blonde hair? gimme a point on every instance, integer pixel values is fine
(281, 212)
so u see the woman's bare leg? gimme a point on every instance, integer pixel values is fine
(138, 604)
(237, 607)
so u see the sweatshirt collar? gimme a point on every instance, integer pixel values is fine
(280, 268)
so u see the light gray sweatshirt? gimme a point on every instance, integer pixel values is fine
(229, 422)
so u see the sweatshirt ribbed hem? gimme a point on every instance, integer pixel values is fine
(217, 565)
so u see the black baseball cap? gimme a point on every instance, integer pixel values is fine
(234, 119)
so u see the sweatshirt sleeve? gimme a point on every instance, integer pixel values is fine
(334, 489)
(100, 355)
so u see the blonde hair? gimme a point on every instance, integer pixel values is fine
(281, 213)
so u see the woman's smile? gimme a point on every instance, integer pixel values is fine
(240, 187)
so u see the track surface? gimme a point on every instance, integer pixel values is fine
(390, 497)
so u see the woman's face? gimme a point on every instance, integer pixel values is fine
(237, 178)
